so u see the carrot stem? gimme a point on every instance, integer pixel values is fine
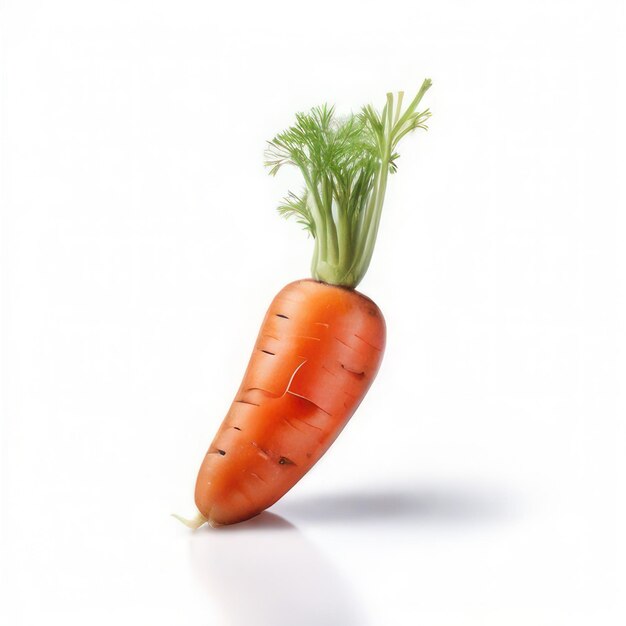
(345, 165)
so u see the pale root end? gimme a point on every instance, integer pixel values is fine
(194, 523)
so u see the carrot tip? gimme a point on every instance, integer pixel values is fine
(193, 523)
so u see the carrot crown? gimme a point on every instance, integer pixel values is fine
(345, 164)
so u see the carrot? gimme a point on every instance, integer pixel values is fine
(317, 353)
(321, 342)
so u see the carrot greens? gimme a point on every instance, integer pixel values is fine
(345, 163)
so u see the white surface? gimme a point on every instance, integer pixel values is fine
(482, 480)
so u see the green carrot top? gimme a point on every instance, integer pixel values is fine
(345, 164)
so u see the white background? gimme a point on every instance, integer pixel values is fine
(482, 482)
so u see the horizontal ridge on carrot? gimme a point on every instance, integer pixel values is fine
(321, 342)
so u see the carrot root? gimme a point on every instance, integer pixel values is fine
(193, 523)
(291, 405)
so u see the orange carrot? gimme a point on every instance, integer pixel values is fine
(321, 343)
(316, 356)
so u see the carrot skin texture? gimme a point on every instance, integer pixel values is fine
(317, 353)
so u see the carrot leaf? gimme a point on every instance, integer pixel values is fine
(345, 163)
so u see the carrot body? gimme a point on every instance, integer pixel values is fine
(317, 353)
